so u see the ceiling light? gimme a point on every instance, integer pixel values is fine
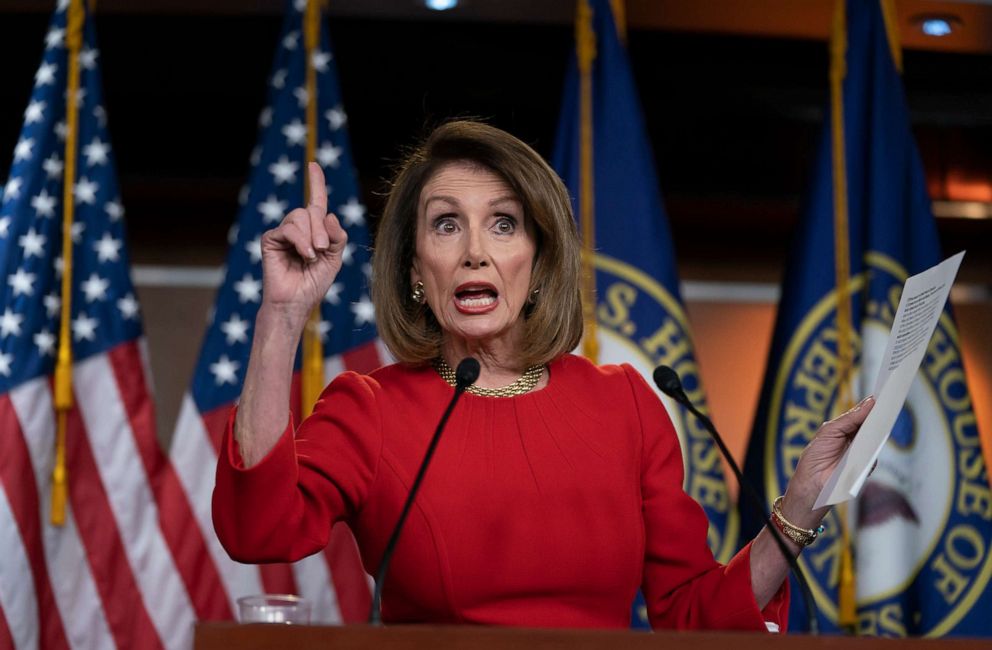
(937, 25)
(441, 5)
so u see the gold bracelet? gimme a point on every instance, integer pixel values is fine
(801, 536)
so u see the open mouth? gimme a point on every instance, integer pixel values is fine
(476, 296)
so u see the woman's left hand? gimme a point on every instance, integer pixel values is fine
(817, 463)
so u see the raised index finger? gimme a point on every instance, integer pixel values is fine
(318, 189)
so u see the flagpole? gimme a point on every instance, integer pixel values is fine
(585, 52)
(63, 367)
(847, 616)
(312, 372)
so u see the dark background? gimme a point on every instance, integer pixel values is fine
(733, 117)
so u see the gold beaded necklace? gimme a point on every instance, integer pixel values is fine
(524, 384)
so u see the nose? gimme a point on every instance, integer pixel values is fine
(476, 255)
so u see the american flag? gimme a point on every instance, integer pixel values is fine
(123, 570)
(334, 580)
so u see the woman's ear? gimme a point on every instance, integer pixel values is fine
(415, 271)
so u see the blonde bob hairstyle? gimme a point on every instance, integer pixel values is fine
(552, 322)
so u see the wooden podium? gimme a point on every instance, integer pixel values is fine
(232, 636)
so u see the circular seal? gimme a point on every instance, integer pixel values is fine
(641, 323)
(920, 528)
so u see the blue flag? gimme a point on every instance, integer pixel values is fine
(922, 527)
(639, 314)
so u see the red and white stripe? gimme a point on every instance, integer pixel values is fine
(120, 572)
(334, 581)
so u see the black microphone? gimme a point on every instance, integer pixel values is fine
(465, 375)
(667, 380)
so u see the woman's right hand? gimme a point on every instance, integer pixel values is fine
(302, 256)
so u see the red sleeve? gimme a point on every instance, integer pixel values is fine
(684, 587)
(282, 508)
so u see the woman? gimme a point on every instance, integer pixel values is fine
(557, 489)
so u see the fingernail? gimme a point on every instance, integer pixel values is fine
(311, 254)
(864, 402)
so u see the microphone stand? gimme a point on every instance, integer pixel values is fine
(669, 383)
(465, 375)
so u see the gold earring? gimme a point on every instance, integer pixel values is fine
(417, 293)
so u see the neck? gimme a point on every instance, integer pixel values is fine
(498, 365)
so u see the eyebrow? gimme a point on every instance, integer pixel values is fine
(506, 198)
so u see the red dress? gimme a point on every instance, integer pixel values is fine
(548, 509)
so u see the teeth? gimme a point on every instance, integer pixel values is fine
(477, 302)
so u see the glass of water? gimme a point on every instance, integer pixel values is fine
(274, 608)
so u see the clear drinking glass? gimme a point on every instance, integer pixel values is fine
(274, 608)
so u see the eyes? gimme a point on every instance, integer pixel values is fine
(448, 224)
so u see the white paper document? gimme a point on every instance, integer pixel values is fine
(920, 308)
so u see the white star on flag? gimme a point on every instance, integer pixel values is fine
(12, 189)
(353, 212)
(95, 288)
(32, 243)
(278, 78)
(323, 327)
(45, 74)
(235, 329)
(254, 248)
(329, 155)
(87, 58)
(302, 96)
(10, 323)
(22, 150)
(265, 117)
(347, 252)
(249, 289)
(333, 295)
(43, 204)
(52, 304)
(5, 360)
(107, 248)
(256, 156)
(35, 112)
(100, 115)
(21, 282)
(243, 194)
(319, 60)
(84, 328)
(232, 234)
(291, 40)
(85, 191)
(54, 37)
(114, 210)
(299, 5)
(225, 370)
(45, 341)
(77, 231)
(364, 311)
(295, 132)
(272, 209)
(96, 152)
(59, 265)
(4, 226)
(53, 166)
(128, 306)
(284, 170)
(336, 118)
